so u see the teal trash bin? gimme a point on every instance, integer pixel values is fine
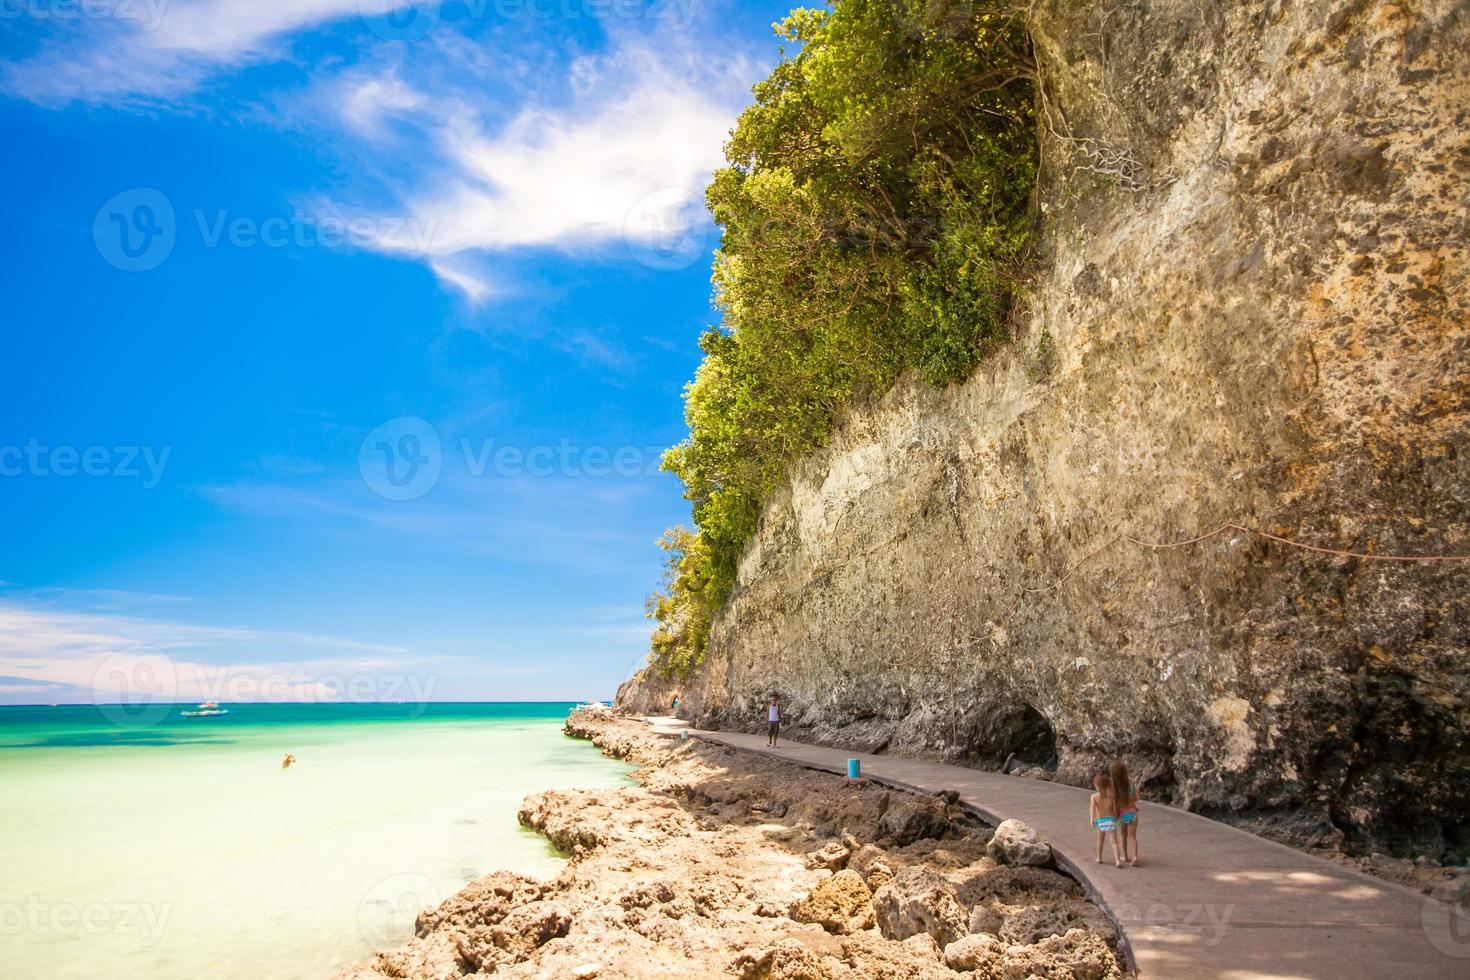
(854, 769)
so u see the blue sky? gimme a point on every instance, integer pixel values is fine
(339, 347)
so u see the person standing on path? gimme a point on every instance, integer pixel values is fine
(1126, 798)
(773, 721)
(1103, 811)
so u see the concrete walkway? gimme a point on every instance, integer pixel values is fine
(1207, 900)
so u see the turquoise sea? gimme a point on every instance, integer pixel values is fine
(140, 846)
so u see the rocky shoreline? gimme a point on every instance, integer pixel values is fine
(723, 863)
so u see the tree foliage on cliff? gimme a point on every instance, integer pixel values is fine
(875, 214)
(680, 607)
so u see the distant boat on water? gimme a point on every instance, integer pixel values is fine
(205, 709)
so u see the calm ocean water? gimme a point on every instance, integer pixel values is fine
(160, 846)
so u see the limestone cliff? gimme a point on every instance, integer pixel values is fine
(1250, 307)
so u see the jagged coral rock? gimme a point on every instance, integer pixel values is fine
(1018, 843)
(659, 886)
(919, 900)
(840, 904)
(832, 856)
(979, 953)
(1078, 955)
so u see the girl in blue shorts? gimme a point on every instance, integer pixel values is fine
(1104, 814)
(1126, 798)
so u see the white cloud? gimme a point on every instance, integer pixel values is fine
(222, 29)
(99, 656)
(473, 283)
(30, 688)
(149, 50)
(616, 167)
(104, 598)
(471, 143)
(368, 105)
(35, 629)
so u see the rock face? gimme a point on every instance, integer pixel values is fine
(1250, 308)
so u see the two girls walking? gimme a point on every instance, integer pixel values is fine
(1114, 814)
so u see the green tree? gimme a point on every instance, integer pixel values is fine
(875, 216)
(679, 606)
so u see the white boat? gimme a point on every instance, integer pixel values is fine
(205, 709)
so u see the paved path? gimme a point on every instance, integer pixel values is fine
(1208, 900)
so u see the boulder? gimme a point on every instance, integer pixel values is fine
(788, 959)
(1078, 955)
(879, 874)
(1035, 922)
(832, 856)
(1018, 844)
(980, 953)
(918, 901)
(871, 861)
(922, 947)
(914, 818)
(840, 904)
(985, 881)
(864, 856)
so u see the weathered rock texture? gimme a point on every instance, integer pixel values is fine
(719, 865)
(1260, 317)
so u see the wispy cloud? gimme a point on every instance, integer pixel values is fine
(30, 689)
(537, 521)
(153, 51)
(102, 656)
(30, 629)
(616, 167)
(593, 349)
(464, 146)
(474, 283)
(97, 598)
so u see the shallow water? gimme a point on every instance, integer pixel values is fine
(181, 849)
